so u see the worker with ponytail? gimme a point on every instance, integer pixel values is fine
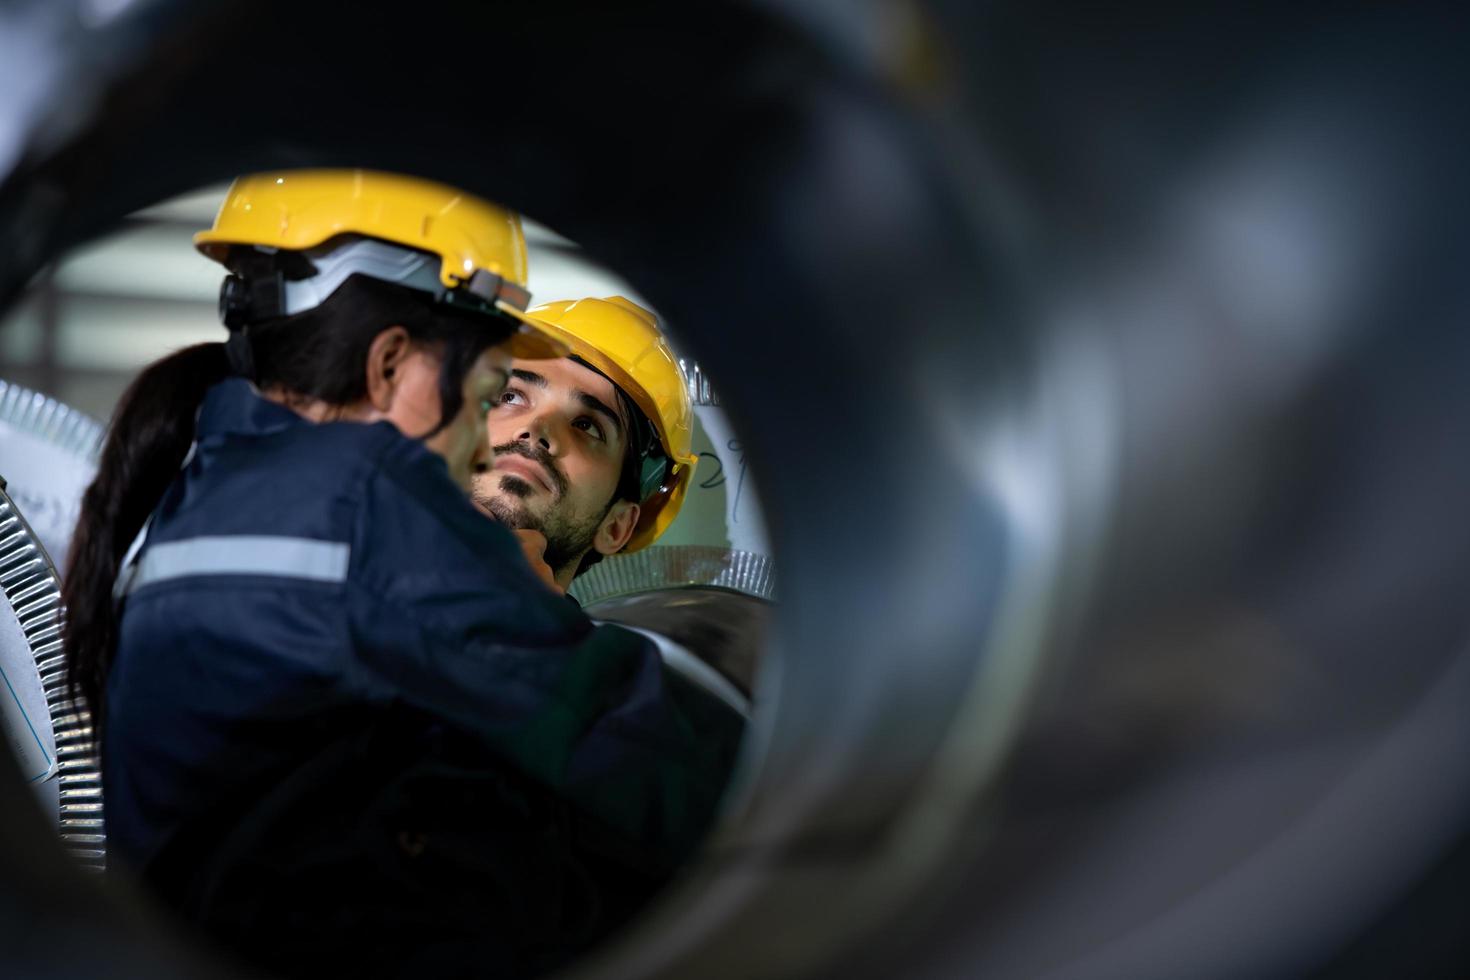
(301, 644)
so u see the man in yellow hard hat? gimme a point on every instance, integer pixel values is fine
(345, 729)
(592, 452)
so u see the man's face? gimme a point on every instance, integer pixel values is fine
(559, 434)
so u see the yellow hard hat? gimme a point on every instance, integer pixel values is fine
(480, 247)
(621, 339)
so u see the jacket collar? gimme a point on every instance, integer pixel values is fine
(234, 407)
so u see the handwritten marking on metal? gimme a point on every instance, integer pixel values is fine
(735, 446)
(715, 479)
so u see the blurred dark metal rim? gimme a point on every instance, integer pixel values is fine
(939, 795)
(866, 796)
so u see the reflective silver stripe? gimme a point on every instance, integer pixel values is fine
(243, 554)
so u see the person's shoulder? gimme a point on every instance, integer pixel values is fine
(356, 454)
(371, 441)
(411, 480)
(417, 517)
(306, 454)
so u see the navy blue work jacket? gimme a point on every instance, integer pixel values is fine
(297, 572)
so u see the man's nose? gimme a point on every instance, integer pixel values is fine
(539, 430)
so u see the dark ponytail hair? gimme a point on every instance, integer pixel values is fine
(150, 434)
(318, 354)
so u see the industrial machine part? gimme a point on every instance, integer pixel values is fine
(725, 629)
(49, 736)
(48, 454)
(1102, 374)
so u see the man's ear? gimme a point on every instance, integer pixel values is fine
(616, 528)
(386, 355)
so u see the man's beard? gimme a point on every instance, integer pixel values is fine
(567, 539)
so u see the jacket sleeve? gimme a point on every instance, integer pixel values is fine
(446, 616)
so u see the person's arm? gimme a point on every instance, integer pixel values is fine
(446, 616)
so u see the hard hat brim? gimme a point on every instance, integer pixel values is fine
(534, 339)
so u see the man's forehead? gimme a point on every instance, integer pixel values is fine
(565, 372)
(566, 375)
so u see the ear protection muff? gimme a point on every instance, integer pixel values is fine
(243, 301)
(655, 468)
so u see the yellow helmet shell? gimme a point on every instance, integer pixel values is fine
(301, 209)
(622, 340)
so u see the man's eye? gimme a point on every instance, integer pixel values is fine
(509, 397)
(589, 426)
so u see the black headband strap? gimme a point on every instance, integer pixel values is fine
(240, 352)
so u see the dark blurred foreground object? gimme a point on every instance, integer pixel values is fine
(398, 850)
(1103, 375)
(59, 920)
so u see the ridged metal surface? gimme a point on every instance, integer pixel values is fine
(700, 391)
(33, 593)
(58, 424)
(677, 565)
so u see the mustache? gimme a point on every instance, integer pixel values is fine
(537, 455)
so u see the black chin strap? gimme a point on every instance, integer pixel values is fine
(240, 353)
